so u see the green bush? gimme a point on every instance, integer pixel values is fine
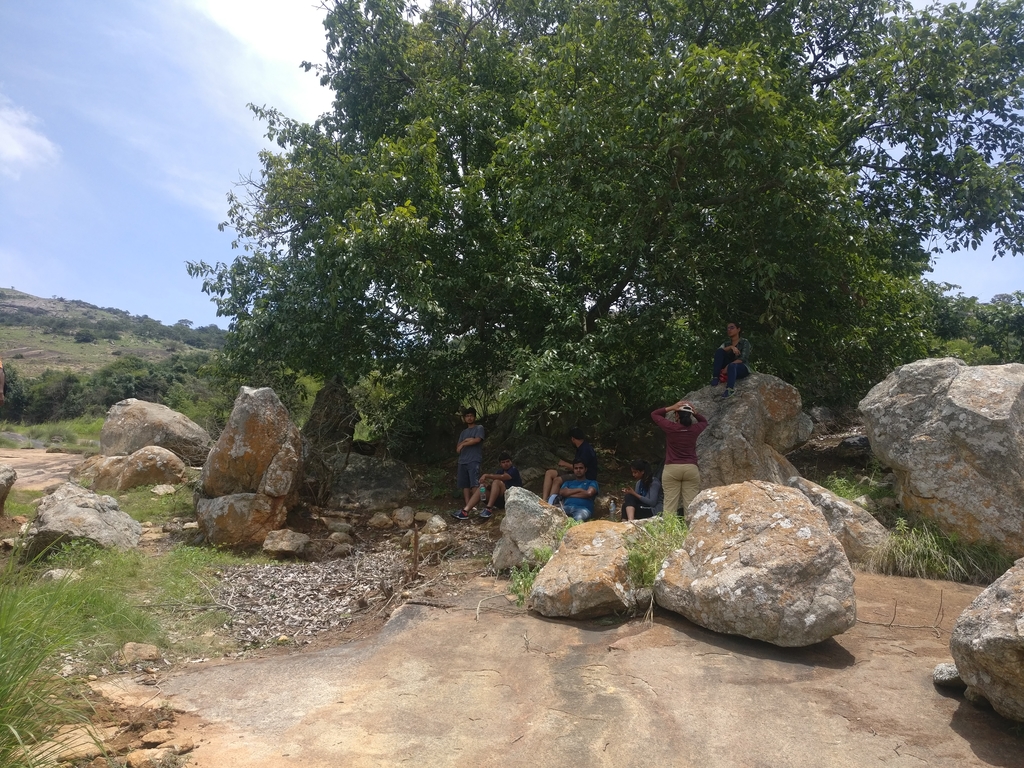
(521, 582)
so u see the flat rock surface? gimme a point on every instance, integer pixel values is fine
(441, 686)
(38, 469)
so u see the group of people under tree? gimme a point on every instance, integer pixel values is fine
(575, 491)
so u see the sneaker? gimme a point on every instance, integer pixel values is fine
(460, 514)
(714, 382)
(485, 512)
(729, 392)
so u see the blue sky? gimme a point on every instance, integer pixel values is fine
(123, 126)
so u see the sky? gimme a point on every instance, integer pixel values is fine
(124, 125)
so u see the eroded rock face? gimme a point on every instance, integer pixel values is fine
(240, 519)
(151, 465)
(72, 512)
(529, 525)
(987, 644)
(858, 532)
(748, 434)
(954, 437)
(259, 450)
(133, 424)
(369, 482)
(760, 561)
(252, 475)
(587, 576)
(8, 476)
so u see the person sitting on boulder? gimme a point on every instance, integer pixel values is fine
(577, 495)
(645, 499)
(734, 357)
(506, 476)
(584, 452)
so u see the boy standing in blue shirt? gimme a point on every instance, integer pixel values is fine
(471, 452)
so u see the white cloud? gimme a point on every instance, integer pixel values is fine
(22, 146)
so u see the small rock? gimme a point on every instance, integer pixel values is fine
(192, 525)
(947, 676)
(435, 524)
(341, 538)
(423, 515)
(283, 640)
(341, 550)
(157, 737)
(334, 525)
(381, 521)
(286, 543)
(163, 489)
(59, 574)
(135, 652)
(149, 758)
(404, 517)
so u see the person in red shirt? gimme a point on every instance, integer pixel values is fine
(680, 479)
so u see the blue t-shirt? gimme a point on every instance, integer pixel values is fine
(472, 453)
(515, 479)
(574, 501)
(588, 456)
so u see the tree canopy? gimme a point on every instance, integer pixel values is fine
(564, 202)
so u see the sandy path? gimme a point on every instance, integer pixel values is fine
(37, 469)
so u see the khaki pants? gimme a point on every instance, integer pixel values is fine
(681, 482)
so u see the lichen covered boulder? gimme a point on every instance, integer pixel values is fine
(75, 513)
(151, 465)
(760, 561)
(133, 424)
(529, 527)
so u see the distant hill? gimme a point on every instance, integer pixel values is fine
(67, 334)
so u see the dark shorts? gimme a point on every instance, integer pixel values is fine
(639, 513)
(469, 475)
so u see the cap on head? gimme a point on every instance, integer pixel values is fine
(577, 434)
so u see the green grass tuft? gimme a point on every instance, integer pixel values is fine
(521, 581)
(918, 548)
(654, 542)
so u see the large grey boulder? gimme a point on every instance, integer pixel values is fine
(588, 575)
(760, 561)
(529, 527)
(954, 437)
(133, 424)
(748, 434)
(369, 482)
(8, 477)
(253, 473)
(987, 644)
(858, 532)
(151, 465)
(72, 513)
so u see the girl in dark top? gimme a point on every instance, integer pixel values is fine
(645, 499)
(680, 478)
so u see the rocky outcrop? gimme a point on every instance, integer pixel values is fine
(8, 477)
(74, 513)
(748, 434)
(987, 644)
(530, 526)
(760, 561)
(151, 465)
(588, 574)
(369, 483)
(858, 532)
(252, 474)
(133, 424)
(954, 437)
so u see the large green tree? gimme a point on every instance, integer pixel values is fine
(564, 201)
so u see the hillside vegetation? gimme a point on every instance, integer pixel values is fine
(71, 335)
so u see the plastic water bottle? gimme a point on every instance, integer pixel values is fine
(611, 511)
(483, 493)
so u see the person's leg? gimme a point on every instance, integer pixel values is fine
(671, 482)
(629, 512)
(690, 481)
(472, 493)
(579, 514)
(496, 492)
(719, 364)
(552, 482)
(736, 371)
(643, 513)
